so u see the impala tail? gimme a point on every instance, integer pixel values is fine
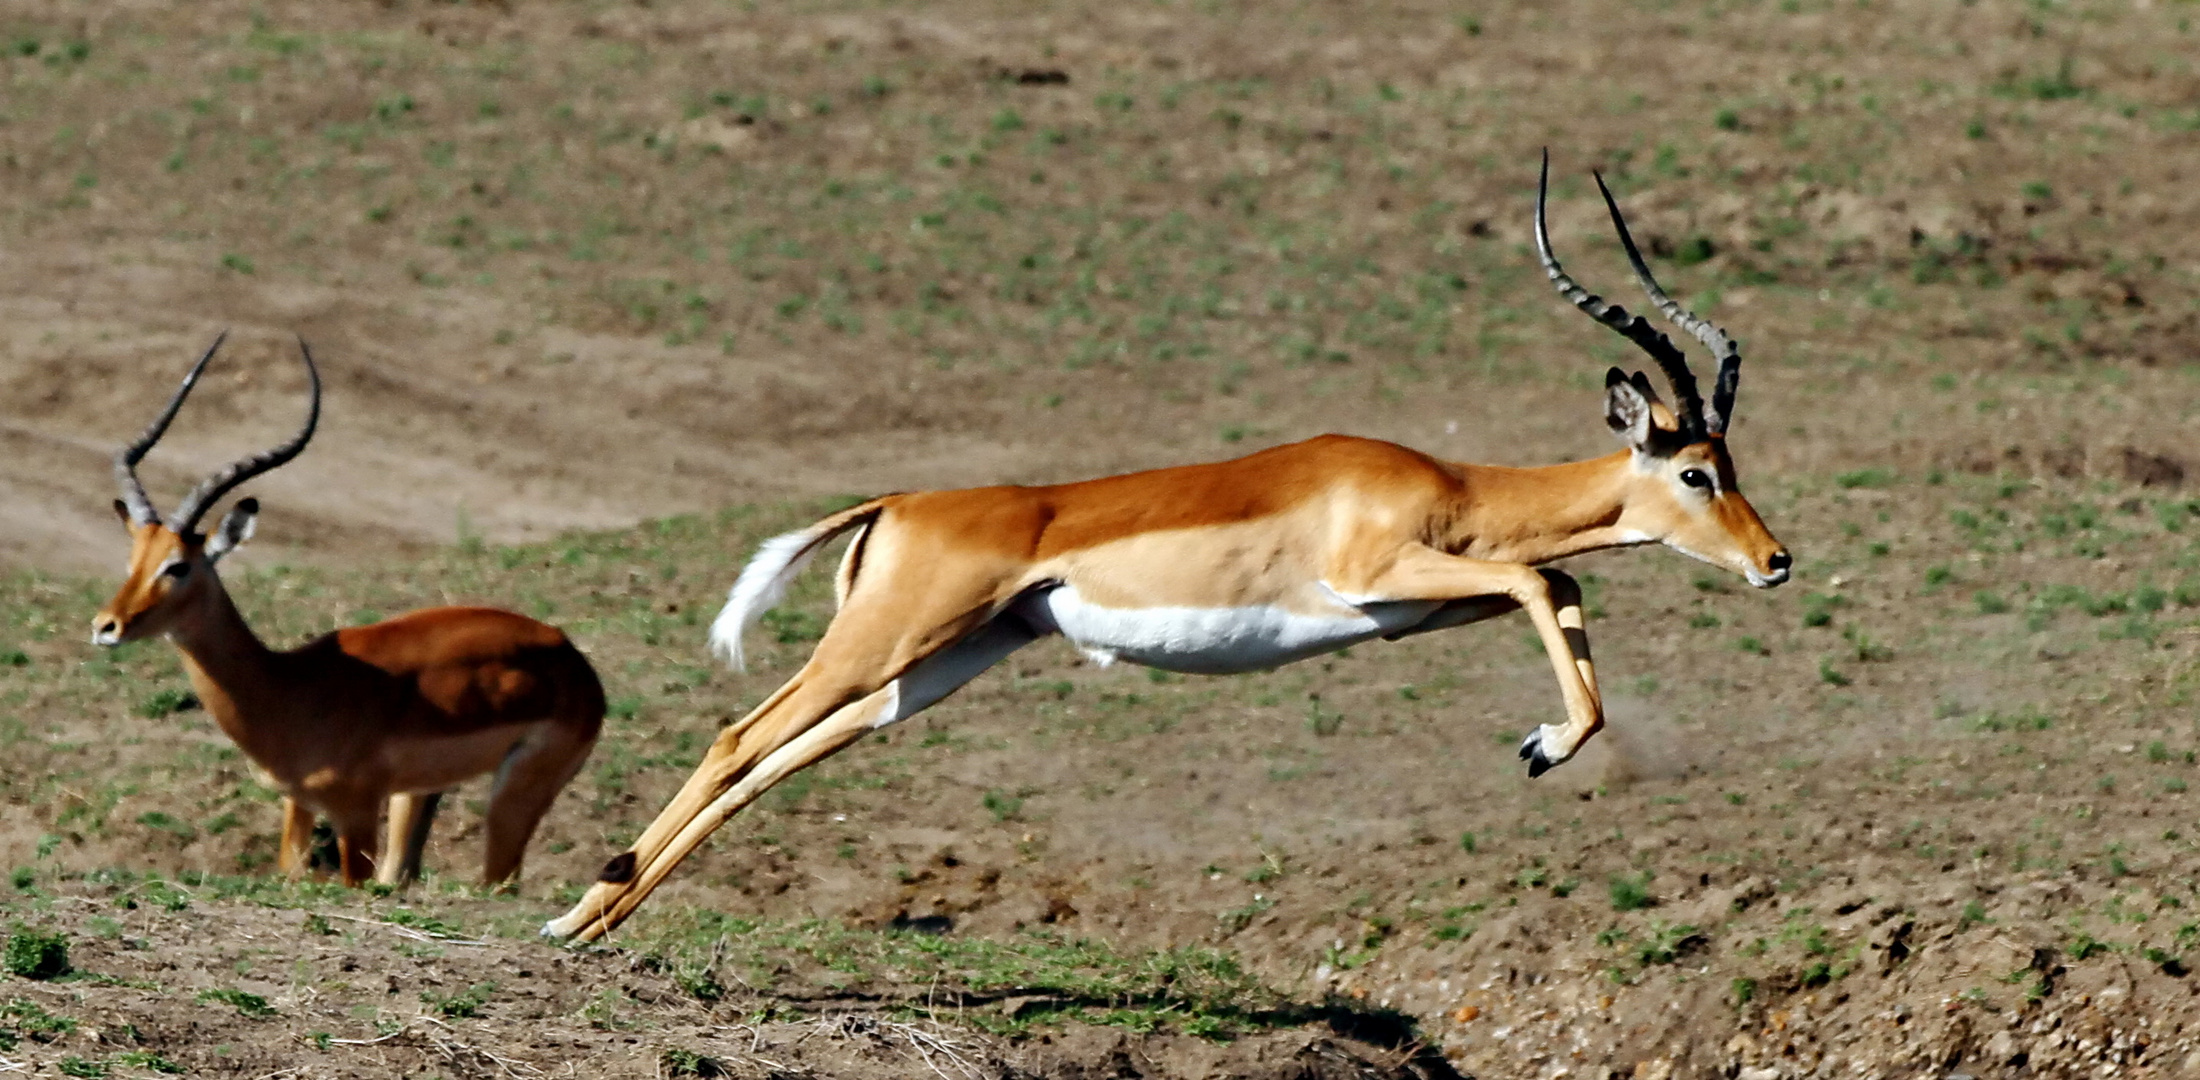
(763, 582)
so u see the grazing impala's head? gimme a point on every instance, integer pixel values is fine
(1685, 495)
(171, 562)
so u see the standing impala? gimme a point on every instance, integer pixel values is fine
(1235, 566)
(393, 713)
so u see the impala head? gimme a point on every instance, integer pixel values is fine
(1686, 497)
(171, 562)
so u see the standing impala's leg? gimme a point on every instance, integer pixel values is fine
(1423, 573)
(843, 692)
(411, 817)
(297, 843)
(358, 834)
(528, 781)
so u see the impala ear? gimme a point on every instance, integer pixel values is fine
(1627, 411)
(235, 529)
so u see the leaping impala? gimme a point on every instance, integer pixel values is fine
(393, 713)
(1229, 567)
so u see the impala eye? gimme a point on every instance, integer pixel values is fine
(176, 569)
(1696, 478)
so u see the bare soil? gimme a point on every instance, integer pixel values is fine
(573, 268)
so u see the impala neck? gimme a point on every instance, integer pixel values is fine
(1536, 515)
(230, 669)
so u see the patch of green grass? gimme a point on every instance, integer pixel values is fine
(147, 1059)
(166, 700)
(423, 922)
(1631, 893)
(1003, 807)
(36, 954)
(467, 1003)
(1818, 608)
(246, 1003)
(1191, 988)
(1866, 478)
(682, 1062)
(22, 1018)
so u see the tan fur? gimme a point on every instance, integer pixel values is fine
(1297, 527)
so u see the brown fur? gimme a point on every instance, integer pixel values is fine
(387, 714)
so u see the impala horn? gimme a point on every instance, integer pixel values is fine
(194, 506)
(1695, 422)
(134, 498)
(1713, 338)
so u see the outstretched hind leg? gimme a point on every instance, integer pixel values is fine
(527, 782)
(821, 710)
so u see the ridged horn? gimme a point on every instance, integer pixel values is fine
(210, 490)
(134, 498)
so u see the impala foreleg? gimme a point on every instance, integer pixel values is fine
(296, 848)
(411, 817)
(1552, 600)
(358, 840)
(1565, 595)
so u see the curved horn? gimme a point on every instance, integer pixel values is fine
(1688, 406)
(209, 491)
(127, 458)
(1713, 338)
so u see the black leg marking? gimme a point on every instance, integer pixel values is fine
(619, 870)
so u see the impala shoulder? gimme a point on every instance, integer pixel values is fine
(1380, 456)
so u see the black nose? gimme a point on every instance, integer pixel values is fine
(1779, 561)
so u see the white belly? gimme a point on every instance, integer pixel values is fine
(1213, 641)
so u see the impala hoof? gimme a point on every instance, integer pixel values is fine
(1531, 751)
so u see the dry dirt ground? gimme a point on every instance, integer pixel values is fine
(569, 267)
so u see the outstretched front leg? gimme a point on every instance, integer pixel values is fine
(1475, 589)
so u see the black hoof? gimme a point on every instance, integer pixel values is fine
(1531, 751)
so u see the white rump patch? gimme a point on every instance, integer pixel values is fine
(763, 582)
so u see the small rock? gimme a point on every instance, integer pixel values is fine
(1759, 1072)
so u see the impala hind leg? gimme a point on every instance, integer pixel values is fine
(528, 781)
(411, 817)
(823, 708)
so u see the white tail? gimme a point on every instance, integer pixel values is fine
(763, 582)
